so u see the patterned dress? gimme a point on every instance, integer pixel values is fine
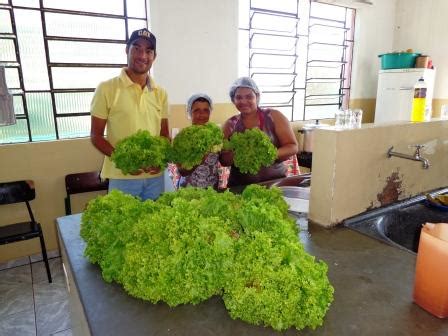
(205, 175)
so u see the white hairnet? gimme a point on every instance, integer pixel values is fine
(194, 98)
(245, 82)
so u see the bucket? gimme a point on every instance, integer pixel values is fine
(398, 60)
(431, 271)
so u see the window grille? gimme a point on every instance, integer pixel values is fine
(299, 53)
(55, 53)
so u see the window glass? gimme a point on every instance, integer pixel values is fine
(79, 78)
(272, 22)
(68, 25)
(273, 42)
(12, 78)
(57, 52)
(270, 98)
(329, 12)
(299, 53)
(86, 52)
(26, 3)
(40, 113)
(73, 102)
(287, 6)
(7, 51)
(18, 105)
(268, 80)
(5, 22)
(136, 8)
(14, 133)
(135, 25)
(106, 7)
(74, 127)
(32, 50)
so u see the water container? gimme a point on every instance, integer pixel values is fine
(419, 101)
(431, 272)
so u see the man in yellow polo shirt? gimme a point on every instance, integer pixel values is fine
(126, 104)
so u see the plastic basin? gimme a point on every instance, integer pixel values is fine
(398, 60)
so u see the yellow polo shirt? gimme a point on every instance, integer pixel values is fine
(128, 108)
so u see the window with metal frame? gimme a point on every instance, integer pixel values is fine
(55, 53)
(299, 52)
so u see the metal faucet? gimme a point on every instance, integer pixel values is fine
(415, 157)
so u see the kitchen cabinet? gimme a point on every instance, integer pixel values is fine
(396, 91)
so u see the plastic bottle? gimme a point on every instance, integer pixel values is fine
(431, 271)
(419, 102)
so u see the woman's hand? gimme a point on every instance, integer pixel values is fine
(285, 135)
(226, 157)
(185, 172)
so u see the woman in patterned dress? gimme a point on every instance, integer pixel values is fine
(206, 174)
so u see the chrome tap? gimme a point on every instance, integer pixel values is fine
(415, 157)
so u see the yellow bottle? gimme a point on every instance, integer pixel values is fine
(419, 102)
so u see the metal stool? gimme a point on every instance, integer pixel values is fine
(18, 192)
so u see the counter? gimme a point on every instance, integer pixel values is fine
(373, 294)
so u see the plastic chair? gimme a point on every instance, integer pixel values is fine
(81, 183)
(18, 192)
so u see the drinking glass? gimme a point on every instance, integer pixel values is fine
(339, 118)
(444, 112)
(349, 118)
(357, 118)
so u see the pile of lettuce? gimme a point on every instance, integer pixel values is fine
(252, 150)
(194, 142)
(141, 150)
(195, 243)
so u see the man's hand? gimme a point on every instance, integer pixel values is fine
(137, 172)
(152, 170)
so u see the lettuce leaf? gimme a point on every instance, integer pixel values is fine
(195, 243)
(252, 150)
(140, 150)
(194, 142)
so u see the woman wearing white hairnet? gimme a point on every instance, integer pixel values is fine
(245, 95)
(199, 107)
